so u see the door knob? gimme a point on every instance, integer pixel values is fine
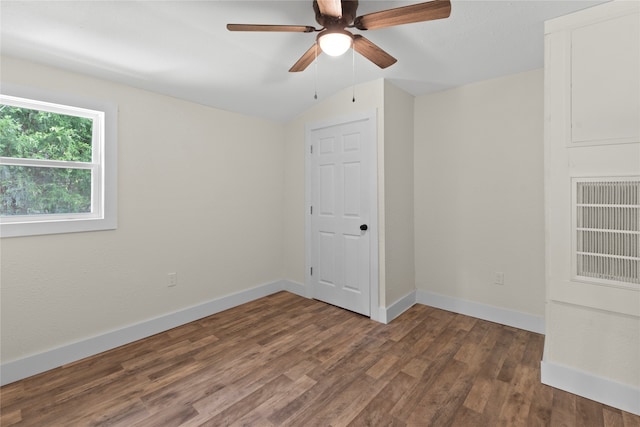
(364, 227)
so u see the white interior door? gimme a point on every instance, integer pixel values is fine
(340, 214)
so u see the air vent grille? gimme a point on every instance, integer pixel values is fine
(607, 230)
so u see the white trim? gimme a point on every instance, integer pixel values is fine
(591, 15)
(517, 319)
(375, 312)
(603, 390)
(397, 308)
(50, 359)
(503, 316)
(295, 288)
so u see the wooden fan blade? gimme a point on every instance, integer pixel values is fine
(305, 59)
(273, 28)
(330, 7)
(437, 9)
(372, 52)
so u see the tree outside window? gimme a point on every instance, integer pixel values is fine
(35, 190)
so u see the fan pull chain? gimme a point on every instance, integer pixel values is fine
(315, 96)
(353, 63)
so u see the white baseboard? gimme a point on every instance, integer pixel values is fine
(603, 390)
(504, 316)
(41, 362)
(295, 288)
(397, 308)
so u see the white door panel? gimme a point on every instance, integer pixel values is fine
(340, 192)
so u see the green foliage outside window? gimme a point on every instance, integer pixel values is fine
(34, 190)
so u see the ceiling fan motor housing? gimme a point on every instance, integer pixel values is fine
(349, 8)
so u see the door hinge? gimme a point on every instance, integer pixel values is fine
(312, 271)
(311, 148)
(310, 210)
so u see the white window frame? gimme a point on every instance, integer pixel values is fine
(103, 166)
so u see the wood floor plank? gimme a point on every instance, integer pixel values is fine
(241, 403)
(237, 388)
(499, 352)
(448, 345)
(588, 412)
(377, 412)
(349, 368)
(171, 416)
(515, 410)
(472, 342)
(541, 404)
(630, 420)
(416, 367)
(284, 360)
(113, 412)
(116, 392)
(428, 408)
(480, 392)
(382, 365)
(452, 402)
(468, 417)
(278, 400)
(346, 403)
(8, 418)
(563, 409)
(463, 322)
(513, 357)
(493, 406)
(612, 418)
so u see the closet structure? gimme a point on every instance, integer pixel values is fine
(592, 204)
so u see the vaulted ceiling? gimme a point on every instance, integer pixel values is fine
(183, 49)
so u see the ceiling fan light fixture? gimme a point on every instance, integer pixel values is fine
(335, 42)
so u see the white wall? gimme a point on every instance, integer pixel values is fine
(398, 193)
(479, 192)
(200, 193)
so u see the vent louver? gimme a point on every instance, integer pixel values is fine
(607, 230)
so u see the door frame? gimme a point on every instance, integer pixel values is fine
(371, 118)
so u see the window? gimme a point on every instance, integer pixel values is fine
(57, 165)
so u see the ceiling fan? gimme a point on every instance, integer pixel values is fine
(335, 16)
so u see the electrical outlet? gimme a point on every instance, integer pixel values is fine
(499, 278)
(173, 279)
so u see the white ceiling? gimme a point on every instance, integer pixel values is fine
(182, 48)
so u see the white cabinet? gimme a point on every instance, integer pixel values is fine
(592, 204)
(605, 96)
(592, 134)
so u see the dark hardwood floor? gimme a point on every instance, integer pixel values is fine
(284, 360)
